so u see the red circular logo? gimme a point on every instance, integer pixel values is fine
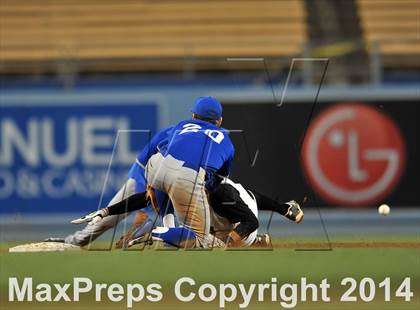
(353, 154)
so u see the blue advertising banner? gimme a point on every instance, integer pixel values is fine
(62, 157)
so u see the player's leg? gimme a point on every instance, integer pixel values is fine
(142, 221)
(229, 203)
(192, 207)
(185, 188)
(92, 232)
(290, 209)
(166, 209)
(180, 237)
(164, 174)
(222, 228)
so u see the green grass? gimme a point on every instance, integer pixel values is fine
(218, 266)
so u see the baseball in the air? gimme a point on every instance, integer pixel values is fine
(384, 209)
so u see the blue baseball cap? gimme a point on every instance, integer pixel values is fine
(208, 107)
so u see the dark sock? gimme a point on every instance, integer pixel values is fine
(267, 204)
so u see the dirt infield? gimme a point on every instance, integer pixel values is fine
(299, 246)
(347, 245)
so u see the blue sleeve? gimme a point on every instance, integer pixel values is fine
(137, 173)
(214, 178)
(224, 171)
(152, 147)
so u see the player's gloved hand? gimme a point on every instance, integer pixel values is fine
(92, 218)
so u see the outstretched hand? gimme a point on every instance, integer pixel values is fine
(92, 218)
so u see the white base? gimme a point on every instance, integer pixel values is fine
(44, 247)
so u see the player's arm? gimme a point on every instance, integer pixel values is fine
(215, 177)
(135, 202)
(152, 148)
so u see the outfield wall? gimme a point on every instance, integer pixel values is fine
(278, 132)
(56, 146)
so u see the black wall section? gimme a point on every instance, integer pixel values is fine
(277, 132)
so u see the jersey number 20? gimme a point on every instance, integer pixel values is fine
(216, 135)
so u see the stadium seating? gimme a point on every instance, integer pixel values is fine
(42, 30)
(168, 34)
(392, 28)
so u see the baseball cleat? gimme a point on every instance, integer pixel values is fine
(262, 241)
(143, 239)
(294, 213)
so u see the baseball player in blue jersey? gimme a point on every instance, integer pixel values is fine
(243, 212)
(192, 161)
(134, 191)
(238, 212)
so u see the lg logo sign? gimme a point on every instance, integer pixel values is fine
(353, 155)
